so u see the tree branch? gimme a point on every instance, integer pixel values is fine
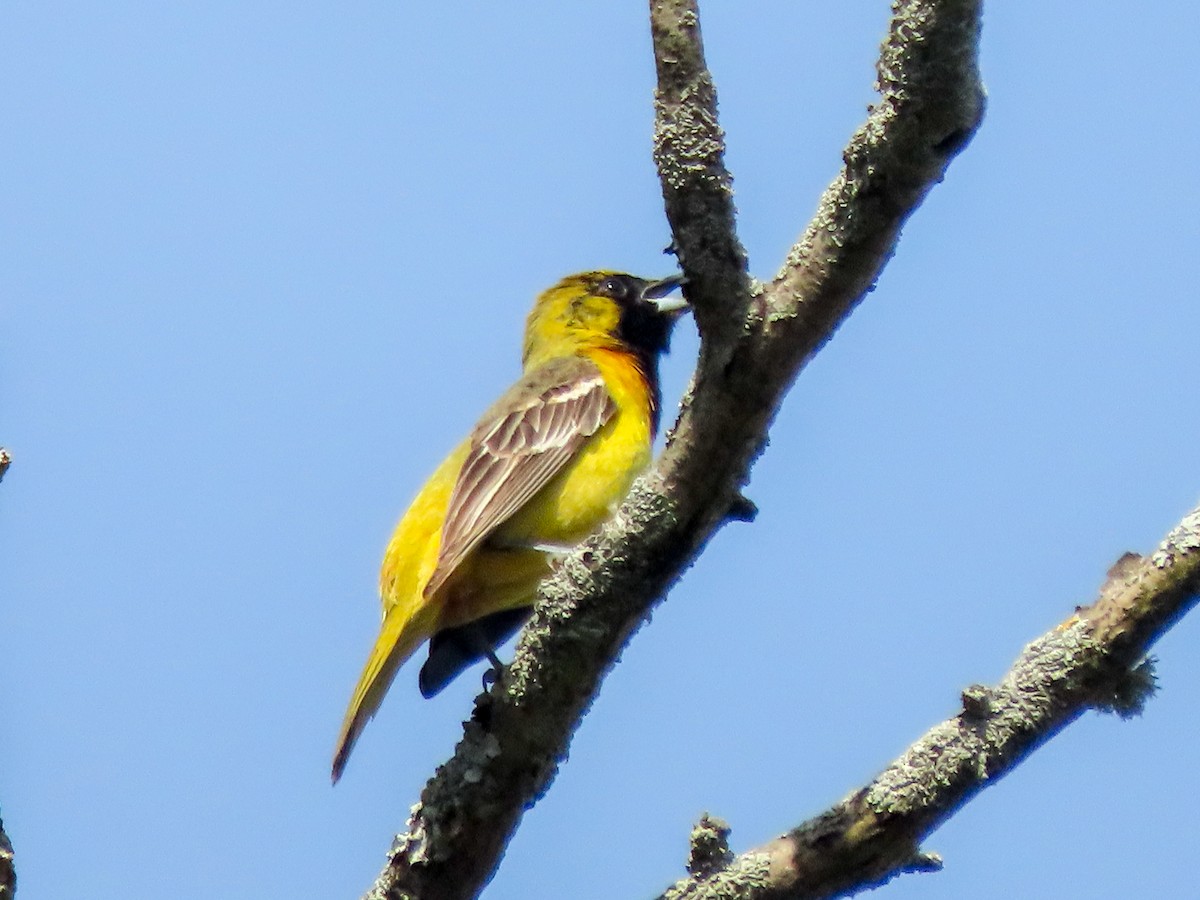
(689, 150)
(1094, 660)
(753, 344)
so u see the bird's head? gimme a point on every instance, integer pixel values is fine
(602, 309)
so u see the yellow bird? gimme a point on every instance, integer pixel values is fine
(543, 468)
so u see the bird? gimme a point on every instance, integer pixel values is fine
(542, 469)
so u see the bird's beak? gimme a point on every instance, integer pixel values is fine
(656, 292)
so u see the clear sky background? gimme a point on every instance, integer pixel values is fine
(264, 263)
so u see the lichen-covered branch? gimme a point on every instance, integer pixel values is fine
(1094, 660)
(689, 150)
(5, 462)
(753, 344)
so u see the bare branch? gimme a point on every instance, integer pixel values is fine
(1094, 660)
(689, 150)
(931, 102)
(753, 345)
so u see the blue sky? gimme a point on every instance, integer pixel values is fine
(265, 263)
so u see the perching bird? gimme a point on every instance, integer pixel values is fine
(543, 468)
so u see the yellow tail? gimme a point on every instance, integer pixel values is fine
(398, 639)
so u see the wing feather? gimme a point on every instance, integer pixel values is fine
(517, 448)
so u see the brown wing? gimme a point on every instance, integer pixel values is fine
(519, 445)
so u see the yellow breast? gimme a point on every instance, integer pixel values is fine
(587, 491)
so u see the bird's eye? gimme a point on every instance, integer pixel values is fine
(613, 287)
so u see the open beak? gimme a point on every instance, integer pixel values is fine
(656, 292)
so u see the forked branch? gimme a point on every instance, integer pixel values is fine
(754, 342)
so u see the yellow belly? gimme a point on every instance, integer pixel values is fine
(594, 483)
(587, 492)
